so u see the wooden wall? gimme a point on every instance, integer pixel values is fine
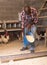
(9, 8)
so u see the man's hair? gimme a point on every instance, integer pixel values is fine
(29, 9)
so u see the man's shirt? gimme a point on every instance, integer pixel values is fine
(26, 19)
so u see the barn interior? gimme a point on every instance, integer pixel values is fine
(9, 20)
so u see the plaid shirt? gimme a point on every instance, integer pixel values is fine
(25, 18)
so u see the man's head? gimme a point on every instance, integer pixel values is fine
(27, 9)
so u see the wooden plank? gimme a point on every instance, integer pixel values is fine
(11, 21)
(1, 30)
(19, 29)
(41, 8)
(44, 8)
(41, 26)
(22, 56)
(42, 17)
(16, 29)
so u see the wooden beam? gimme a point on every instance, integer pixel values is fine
(1, 30)
(11, 21)
(22, 56)
(41, 26)
(44, 8)
(15, 29)
(42, 17)
(41, 8)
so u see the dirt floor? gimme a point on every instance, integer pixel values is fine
(13, 48)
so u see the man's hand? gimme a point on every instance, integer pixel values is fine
(28, 26)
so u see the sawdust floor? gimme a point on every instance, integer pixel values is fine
(13, 48)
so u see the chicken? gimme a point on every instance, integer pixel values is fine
(37, 37)
(5, 39)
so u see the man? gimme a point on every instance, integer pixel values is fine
(29, 20)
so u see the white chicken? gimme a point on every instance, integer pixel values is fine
(37, 36)
(5, 37)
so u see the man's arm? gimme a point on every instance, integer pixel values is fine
(34, 15)
(22, 19)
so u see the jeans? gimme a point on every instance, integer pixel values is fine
(26, 43)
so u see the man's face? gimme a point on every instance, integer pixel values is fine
(26, 9)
